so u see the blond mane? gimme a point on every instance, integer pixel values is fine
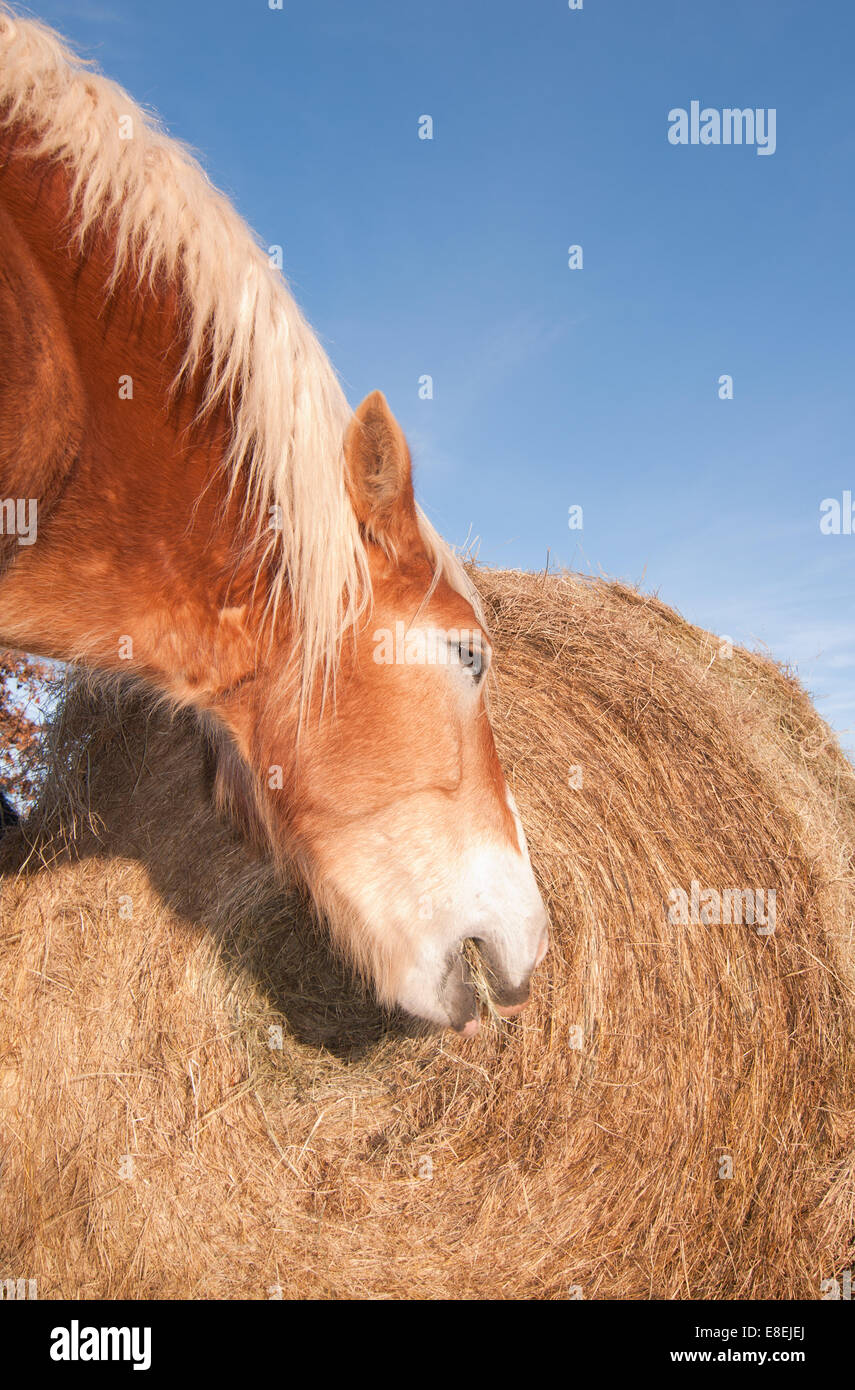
(245, 336)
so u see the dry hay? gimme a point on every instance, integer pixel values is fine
(143, 967)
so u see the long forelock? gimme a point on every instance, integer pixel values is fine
(245, 337)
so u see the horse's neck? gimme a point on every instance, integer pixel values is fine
(133, 566)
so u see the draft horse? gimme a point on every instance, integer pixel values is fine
(202, 511)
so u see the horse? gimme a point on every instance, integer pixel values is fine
(206, 514)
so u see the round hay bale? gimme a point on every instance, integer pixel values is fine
(196, 1100)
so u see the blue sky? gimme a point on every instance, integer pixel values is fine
(553, 387)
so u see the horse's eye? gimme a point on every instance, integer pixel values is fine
(472, 655)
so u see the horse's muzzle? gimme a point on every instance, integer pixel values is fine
(507, 995)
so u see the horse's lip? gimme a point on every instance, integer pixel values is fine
(459, 998)
(510, 1010)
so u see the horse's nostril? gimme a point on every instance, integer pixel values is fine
(470, 1029)
(507, 995)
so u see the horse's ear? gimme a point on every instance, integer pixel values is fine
(379, 477)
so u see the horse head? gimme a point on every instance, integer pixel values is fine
(390, 796)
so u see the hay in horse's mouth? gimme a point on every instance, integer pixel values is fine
(480, 978)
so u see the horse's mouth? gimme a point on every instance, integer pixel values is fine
(477, 977)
